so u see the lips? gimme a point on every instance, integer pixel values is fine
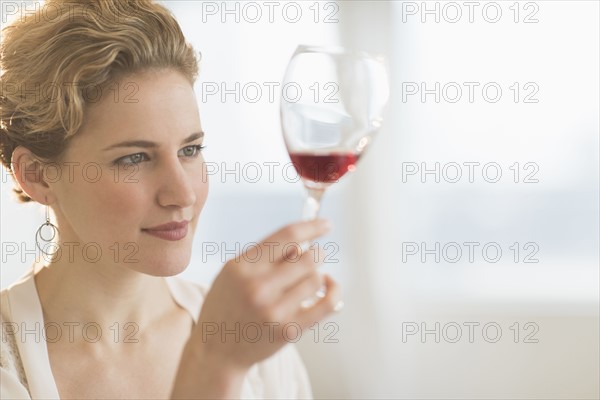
(171, 231)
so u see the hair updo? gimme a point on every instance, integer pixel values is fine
(55, 61)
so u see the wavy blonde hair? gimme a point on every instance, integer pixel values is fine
(53, 60)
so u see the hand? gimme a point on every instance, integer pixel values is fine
(256, 294)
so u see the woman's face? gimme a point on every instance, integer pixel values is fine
(135, 164)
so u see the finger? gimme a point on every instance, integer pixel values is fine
(289, 274)
(290, 271)
(286, 241)
(323, 307)
(293, 297)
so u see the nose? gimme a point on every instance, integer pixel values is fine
(176, 187)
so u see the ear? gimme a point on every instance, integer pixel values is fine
(28, 170)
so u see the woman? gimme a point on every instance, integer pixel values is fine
(110, 140)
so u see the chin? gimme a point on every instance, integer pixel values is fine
(161, 266)
(166, 271)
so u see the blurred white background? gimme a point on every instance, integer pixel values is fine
(544, 57)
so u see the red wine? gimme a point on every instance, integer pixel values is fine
(325, 168)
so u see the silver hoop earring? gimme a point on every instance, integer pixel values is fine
(38, 235)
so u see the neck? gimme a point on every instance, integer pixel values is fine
(75, 290)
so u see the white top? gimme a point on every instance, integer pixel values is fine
(25, 371)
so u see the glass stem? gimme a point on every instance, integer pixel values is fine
(312, 204)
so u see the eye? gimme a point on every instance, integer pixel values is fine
(131, 159)
(192, 151)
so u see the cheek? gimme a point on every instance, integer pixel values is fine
(110, 207)
(201, 186)
(122, 201)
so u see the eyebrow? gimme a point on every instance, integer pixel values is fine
(148, 144)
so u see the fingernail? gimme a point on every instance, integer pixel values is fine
(338, 306)
(325, 223)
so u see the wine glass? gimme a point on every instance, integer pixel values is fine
(332, 104)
